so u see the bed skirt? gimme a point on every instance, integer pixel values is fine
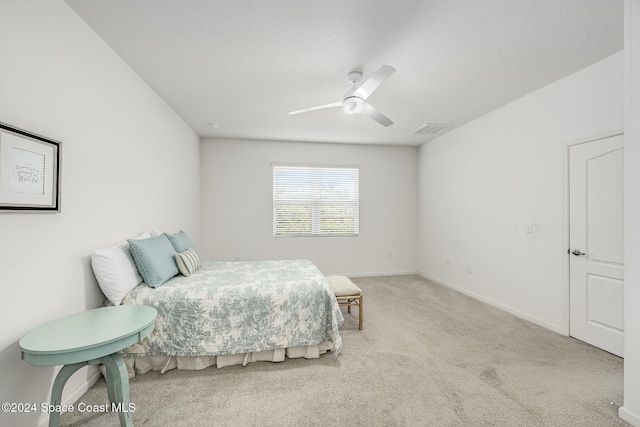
(137, 365)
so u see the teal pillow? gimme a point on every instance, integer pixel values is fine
(180, 241)
(155, 259)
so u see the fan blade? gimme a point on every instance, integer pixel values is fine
(374, 81)
(376, 115)
(320, 107)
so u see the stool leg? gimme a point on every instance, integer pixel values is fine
(118, 386)
(56, 392)
(360, 313)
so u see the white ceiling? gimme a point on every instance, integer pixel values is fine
(245, 63)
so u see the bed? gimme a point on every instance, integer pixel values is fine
(227, 313)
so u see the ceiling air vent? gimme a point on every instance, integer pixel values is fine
(431, 128)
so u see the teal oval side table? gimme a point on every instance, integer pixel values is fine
(91, 337)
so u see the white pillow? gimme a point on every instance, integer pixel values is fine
(115, 270)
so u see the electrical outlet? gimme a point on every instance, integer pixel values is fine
(388, 255)
(448, 264)
(530, 228)
(468, 269)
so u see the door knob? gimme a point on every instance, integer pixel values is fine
(577, 252)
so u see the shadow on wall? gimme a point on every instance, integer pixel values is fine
(16, 390)
(36, 391)
(93, 296)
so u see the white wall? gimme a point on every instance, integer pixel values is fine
(631, 409)
(237, 205)
(481, 184)
(129, 164)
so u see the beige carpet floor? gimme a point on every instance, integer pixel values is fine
(428, 356)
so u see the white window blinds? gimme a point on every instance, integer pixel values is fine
(315, 201)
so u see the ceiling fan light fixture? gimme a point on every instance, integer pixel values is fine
(353, 105)
(354, 100)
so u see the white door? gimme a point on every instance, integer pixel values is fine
(596, 286)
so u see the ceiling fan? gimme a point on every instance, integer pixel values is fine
(354, 101)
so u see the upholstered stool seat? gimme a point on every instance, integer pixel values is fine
(347, 294)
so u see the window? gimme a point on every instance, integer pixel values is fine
(315, 201)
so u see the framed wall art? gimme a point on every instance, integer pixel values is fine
(29, 171)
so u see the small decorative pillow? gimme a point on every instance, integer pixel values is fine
(188, 261)
(155, 259)
(180, 241)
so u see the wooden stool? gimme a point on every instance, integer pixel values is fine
(347, 294)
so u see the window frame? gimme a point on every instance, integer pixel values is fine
(317, 202)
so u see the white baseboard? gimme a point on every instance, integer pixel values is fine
(94, 377)
(515, 312)
(630, 417)
(394, 273)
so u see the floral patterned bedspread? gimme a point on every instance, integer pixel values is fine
(239, 307)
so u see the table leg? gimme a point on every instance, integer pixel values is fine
(118, 386)
(56, 392)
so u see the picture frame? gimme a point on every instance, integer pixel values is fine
(29, 171)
